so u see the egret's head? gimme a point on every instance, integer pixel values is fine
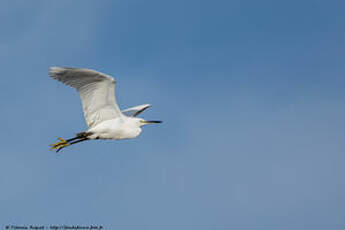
(144, 122)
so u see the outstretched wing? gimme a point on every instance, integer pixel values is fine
(136, 110)
(96, 90)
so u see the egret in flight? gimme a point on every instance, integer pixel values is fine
(101, 112)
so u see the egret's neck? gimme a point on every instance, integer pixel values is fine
(132, 127)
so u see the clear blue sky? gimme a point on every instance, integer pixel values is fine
(252, 95)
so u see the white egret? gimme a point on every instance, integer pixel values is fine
(101, 112)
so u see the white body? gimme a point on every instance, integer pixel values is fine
(101, 112)
(117, 129)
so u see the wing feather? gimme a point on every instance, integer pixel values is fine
(96, 90)
(136, 110)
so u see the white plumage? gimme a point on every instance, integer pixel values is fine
(101, 112)
(96, 91)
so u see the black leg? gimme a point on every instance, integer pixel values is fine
(71, 143)
(75, 142)
(72, 139)
(64, 143)
(81, 135)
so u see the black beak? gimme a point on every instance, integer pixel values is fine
(152, 122)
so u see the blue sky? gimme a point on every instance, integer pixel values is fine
(251, 94)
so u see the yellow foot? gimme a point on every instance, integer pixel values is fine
(61, 144)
